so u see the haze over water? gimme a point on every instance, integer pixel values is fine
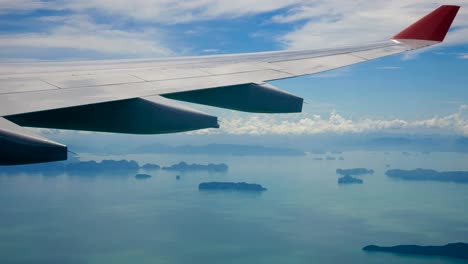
(304, 217)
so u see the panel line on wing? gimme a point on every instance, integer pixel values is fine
(153, 81)
(138, 77)
(44, 81)
(390, 44)
(359, 57)
(26, 92)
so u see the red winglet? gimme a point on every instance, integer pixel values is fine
(433, 26)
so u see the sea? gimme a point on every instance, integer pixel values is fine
(303, 217)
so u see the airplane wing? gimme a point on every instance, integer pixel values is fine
(140, 96)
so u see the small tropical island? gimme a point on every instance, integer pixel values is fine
(142, 176)
(183, 167)
(429, 175)
(354, 171)
(347, 179)
(454, 250)
(231, 186)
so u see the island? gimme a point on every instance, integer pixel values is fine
(347, 179)
(142, 176)
(454, 250)
(183, 166)
(150, 167)
(429, 175)
(231, 186)
(355, 171)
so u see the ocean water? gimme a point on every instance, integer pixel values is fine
(304, 217)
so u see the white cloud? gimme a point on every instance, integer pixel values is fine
(81, 33)
(322, 23)
(7, 6)
(389, 68)
(334, 22)
(168, 11)
(163, 11)
(76, 30)
(463, 56)
(210, 50)
(335, 73)
(335, 123)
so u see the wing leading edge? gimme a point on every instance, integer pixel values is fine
(126, 96)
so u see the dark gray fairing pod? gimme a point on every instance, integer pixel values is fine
(255, 98)
(154, 115)
(20, 146)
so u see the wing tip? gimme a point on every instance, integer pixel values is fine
(432, 27)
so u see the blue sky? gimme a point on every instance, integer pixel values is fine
(421, 91)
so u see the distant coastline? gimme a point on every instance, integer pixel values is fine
(151, 167)
(219, 149)
(115, 166)
(231, 186)
(354, 171)
(454, 250)
(429, 175)
(183, 166)
(75, 167)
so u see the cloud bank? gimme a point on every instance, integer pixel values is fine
(304, 124)
(335, 22)
(80, 33)
(139, 28)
